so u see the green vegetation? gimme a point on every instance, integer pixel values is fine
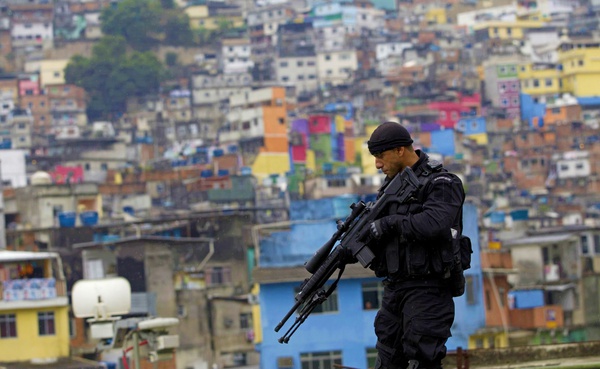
(111, 76)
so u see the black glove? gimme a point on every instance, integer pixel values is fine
(376, 229)
(347, 257)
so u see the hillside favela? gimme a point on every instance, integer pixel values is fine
(168, 167)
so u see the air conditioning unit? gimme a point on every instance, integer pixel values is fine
(167, 342)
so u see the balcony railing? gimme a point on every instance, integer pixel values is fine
(549, 317)
(32, 289)
(496, 260)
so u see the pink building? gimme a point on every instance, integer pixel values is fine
(27, 87)
(450, 112)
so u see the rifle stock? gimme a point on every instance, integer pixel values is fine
(323, 264)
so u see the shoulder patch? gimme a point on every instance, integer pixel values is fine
(442, 178)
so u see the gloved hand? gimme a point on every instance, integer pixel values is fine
(347, 257)
(376, 229)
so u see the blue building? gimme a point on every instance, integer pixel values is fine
(340, 331)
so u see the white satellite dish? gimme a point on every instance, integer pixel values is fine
(101, 299)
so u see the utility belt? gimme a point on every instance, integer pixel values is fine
(409, 282)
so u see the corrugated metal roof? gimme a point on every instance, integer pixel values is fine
(8, 255)
(540, 240)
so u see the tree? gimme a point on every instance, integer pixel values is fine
(110, 76)
(177, 29)
(136, 20)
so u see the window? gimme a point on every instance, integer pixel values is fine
(580, 63)
(283, 64)
(597, 244)
(246, 320)
(336, 182)
(103, 166)
(218, 276)
(321, 360)
(328, 306)
(548, 82)
(327, 57)
(536, 83)
(300, 63)
(8, 326)
(372, 293)
(46, 323)
(585, 248)
(470, 289)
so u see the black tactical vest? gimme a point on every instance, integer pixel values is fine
(399, 258)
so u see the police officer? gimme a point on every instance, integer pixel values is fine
(413, 247)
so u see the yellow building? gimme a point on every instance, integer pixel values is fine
(580, 63)
(436, 16)
(539, 79)
(200, 18)
(506, 30)
(34, 307)
(52, 72)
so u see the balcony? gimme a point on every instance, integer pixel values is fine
(547, 317)
(24, 293)
(496, 260)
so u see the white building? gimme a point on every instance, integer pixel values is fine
(390, 55)
(573, 164)
(336, 67)
(235, 56)
(13, 167)
(504, 13)
(299, 72)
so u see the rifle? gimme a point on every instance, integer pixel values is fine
(352, 245)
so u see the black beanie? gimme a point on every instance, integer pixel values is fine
(388, 136)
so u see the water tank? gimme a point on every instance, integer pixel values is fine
(41, 178)
(88, 218)
(129, 210)
(66, 219)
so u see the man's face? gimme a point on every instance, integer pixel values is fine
(390, 161)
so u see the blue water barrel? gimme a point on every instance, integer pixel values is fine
(218, 152)
(206, 173)
(109, 364)
(67, 219)
(89, 218)
(223, 172)
(129, 210)
(246, 171)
